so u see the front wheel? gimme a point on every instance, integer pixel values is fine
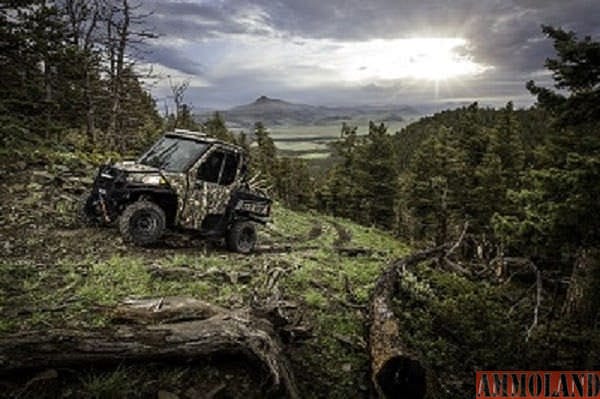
(142, 223)
(85, 215)
(241, 237)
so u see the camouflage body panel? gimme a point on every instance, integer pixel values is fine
(218, 198)
(179, 184)
(205, 198)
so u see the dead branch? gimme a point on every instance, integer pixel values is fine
(455, 266)
(273, 249)
(538, 300)
(458, 242)
(522, 263)
(580, 304)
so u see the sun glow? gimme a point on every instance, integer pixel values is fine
(302, 63)
(426, 59)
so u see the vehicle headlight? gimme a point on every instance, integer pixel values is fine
(255, 207)
(151, 180)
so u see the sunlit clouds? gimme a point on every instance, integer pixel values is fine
(314, 62)
(339, 52)
(420, 58)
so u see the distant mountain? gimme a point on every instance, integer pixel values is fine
(275, 112)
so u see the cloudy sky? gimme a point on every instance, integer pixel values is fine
(354, 52)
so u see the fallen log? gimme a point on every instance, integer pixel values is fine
(354, 251)
(210, 331)
(395, 370)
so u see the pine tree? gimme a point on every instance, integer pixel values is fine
(293, 183)
(51, 80)
(560, 211)
(341, 193)
(434, 183)
(560, 222)
(378, 178)
(263, 159)
(33, 50)
(215, 127)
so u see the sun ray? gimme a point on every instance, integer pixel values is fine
(432, 59)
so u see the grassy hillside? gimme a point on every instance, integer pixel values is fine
(57, 274)
(320, 272)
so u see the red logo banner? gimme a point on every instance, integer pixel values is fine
(537, 384)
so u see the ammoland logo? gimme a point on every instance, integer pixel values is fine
(537, 384)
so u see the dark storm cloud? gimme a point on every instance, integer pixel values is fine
(196, 21)
(174, 58)
(504, 34)
(512, 39)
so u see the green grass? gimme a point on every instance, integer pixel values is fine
(313, 142)
(111, 281)
(112, 384)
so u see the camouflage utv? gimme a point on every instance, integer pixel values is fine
(186, 181)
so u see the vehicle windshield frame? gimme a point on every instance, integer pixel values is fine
(178, 167)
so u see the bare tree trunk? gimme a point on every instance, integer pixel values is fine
(441, 234)
(48, 96)
(122, 32)
(114, 38)
(90, 127)
(122, 38)
(178, 90)
(88, 47)
(582, 296)
(47, 83)
(163, 329)
(83, 18)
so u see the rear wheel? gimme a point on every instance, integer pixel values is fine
(142, 223)
(241, 237)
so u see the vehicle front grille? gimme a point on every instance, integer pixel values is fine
(109, 177)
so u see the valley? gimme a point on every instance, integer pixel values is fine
(305, 131)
